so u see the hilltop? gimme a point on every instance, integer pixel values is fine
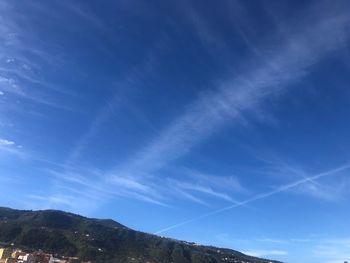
(106, 241)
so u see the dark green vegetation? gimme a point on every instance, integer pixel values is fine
(102, 240)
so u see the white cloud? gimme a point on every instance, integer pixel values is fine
(130, 183)
(11, 148)
(1, 93)
(246, 93)
(26, 67)
(234, 97)
(57, 201)
(190, 196)
(228, 183)
(4, 142)
(126, 187)
(271, 240)
(327, 190)
(330, 192)
(226, 103)
(203, 189)
(319, 249)
(15, 87)
(277, 167)
(332, 250)
(263, 253)
(8, 81)
(18, 69)
(281, 189)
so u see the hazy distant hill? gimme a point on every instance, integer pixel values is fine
(102, 240)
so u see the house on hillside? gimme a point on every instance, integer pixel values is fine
(5, 253)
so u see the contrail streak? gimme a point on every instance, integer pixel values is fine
(261, 196)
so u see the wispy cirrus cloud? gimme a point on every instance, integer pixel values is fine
(226, 104)
(70, 202)
(245, 93)
(188, 196)
(23, 59)
(326, 249)
(277, 167)
(201, 188)
(258, 197)
(271, 240)
(332, 191)
(204, 189)
(264, 253)
(230, 183)
(332, 250)
(10, 147)
(4, 142)
(127, 187)
(318, 248)
(329, 190)
(235, 97)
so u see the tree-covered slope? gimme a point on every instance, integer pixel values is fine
(102, 240)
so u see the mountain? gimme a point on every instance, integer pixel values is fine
(105, 241)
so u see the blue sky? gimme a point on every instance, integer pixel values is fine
(219, 122)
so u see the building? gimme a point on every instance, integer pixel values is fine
(16, 253)
(42, 257)
(11, 255)
(5, 253)
(74, 260)
(8, 260)
(26, 258)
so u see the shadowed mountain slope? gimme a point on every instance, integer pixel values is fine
(103, 240)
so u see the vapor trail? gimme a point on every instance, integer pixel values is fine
(261, 196)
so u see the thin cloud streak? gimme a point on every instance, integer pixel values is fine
(20, 74)
(238, 96)
(330, 191)
(190, 196)
(102, 116)
(258, 197)
(126, 187)
(262, 253)
(204, 190)
(118, 100)
(6, 142)
(228, 183)
(229, 102)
